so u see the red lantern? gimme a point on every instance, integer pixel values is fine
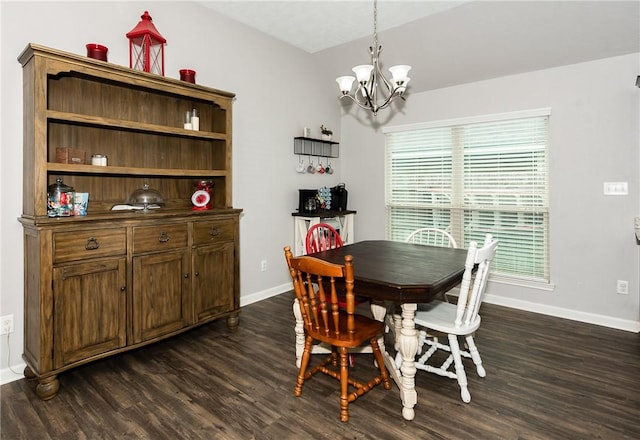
(146, 47)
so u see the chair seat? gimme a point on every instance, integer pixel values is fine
(440, 316)
(366, 328)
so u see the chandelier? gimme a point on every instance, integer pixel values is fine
(374, 91)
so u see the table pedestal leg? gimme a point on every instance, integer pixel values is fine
(407, 343)
(299, 330)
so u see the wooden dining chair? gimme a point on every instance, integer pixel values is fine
(341, 328)
(456, 320)
(322, 237)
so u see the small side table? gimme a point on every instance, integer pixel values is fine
(340, 220)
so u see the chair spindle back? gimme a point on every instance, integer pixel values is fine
(473, 286)
(321, 308)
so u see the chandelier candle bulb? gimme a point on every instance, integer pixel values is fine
(363, 73)
(345, 83)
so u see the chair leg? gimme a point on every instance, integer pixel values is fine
(460, 374)
(344, 384)
(304, 363)
(475, 355)
(377, 354)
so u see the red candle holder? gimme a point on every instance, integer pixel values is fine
(97, 51)
(188, 75)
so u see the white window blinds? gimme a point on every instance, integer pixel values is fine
(472, 177)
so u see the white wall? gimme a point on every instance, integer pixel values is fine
(595, 137)
(273, 103)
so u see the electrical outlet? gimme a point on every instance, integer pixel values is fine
(6, 324)
(263, 265)
(623, 287)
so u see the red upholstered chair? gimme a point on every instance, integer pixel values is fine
(321, 237)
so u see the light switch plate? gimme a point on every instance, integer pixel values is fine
(616, 188)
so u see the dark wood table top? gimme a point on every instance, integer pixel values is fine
(400, 272)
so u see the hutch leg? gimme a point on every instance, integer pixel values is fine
(233, 321)
(29, 374)
(48, 387)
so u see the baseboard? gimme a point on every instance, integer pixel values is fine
(559, 312)
(6, 375)
(264, 294)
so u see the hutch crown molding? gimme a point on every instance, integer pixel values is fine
(111, 281)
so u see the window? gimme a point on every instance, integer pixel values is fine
(474, 176)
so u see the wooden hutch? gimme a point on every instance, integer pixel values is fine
(110, 281)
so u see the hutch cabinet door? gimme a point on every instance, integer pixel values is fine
(89, 309)
(160, 294)
(213, 282)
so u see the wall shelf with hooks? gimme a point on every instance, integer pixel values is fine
(315, 147)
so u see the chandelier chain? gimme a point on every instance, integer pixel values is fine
(375, 24)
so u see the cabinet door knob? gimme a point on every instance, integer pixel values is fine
(197, 274)
(186, 275)
(92, 244)
(123, 288)
(164, 237)
(214, 231)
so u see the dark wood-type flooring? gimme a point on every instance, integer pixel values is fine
(547, 378)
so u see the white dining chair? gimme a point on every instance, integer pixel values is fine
(461, 319)
(432, 237)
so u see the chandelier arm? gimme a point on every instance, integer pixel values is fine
(376, 67)
(361, 105)
(368, 94)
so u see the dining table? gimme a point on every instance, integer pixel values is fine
(405, 274)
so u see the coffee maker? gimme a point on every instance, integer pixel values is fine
(307, 201)
(339, 198)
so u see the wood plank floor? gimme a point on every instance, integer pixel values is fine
(547, 378)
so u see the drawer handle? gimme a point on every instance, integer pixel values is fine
(92, 244)
(214, 231)
(164, 237)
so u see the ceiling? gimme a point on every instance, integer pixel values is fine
(448, 42)
(316, 25)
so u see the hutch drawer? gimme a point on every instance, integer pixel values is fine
(80, 245)
(213, 231)
(159, 238)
